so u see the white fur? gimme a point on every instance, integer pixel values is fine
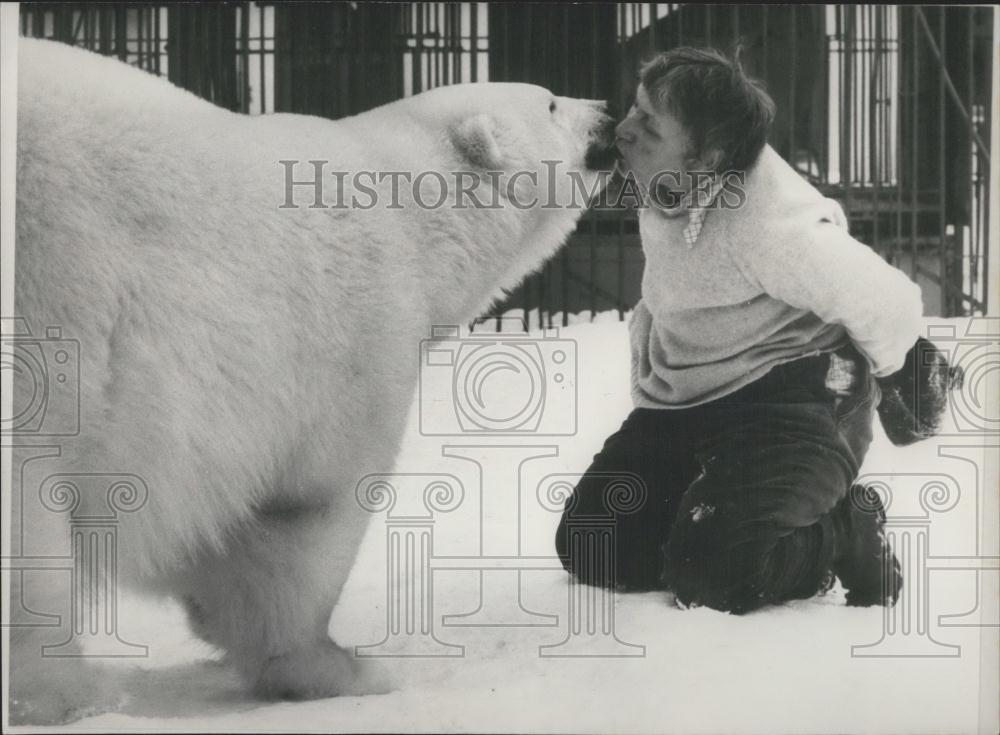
(250, 363)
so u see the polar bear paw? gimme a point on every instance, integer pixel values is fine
(316, 672)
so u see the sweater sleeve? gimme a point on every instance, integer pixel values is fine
(810, 261)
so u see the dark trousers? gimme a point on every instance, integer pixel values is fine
(738, 491)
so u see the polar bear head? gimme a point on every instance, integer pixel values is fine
(538, 159)
(523, 128)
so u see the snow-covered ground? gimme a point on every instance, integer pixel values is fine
(796, 668)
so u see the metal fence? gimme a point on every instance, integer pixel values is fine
(885, 108)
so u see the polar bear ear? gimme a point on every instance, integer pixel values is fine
(474, 139)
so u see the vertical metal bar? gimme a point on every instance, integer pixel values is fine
(141, 44)
(875, 111)
(450, 45)
(621, 82)
(460, 13)
(847, 100)
(792, 112)
(620, 291)
(159, 42)
(868, 78)
(418, 51)
(74, 28)
(914, 116)
(857, 92)
(284, 19)
(151, 12)
(942, 223)
(991, 272)
(439, 70)
(525, 289)
(474, 43)
(985, 183)
(88, 34)
(592, 278)
(542, 298)
(225, 81)
(447, 45)
(971, 258)
(595, 57)
(902, 83)
(208, 70)
(889, 67)
(564, 285)
(456, 43)
(621, 218)
(120, 25)
(356, 34)
(140, 40)
(244, 11)
(763, 26)
(104, 30)
(550, 290)
(890, 53)
(853, 60)
(428, 52)
(824, 118)
(864, 99)
(442, 42)
(150, 42)
(564, 60)
(652, 27)
(506, 42)
(263, 61)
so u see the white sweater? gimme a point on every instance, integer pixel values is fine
(777, 279)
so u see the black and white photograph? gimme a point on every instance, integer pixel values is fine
(502, 367)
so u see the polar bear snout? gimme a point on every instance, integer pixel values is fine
(601, 152)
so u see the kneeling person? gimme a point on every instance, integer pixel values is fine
(762, 329)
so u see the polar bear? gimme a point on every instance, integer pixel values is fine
(246, 344)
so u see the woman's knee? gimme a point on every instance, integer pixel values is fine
(608, 534)
(744, 577)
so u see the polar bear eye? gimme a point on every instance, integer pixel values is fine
(552, 106)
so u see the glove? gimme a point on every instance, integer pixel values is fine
(914, 398)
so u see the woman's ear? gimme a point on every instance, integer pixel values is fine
(709, 160)
(475, 140)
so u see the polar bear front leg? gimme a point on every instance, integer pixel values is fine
(266, 601)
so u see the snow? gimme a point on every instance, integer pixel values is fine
(784, 669)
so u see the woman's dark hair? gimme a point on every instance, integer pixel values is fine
(716, 102)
